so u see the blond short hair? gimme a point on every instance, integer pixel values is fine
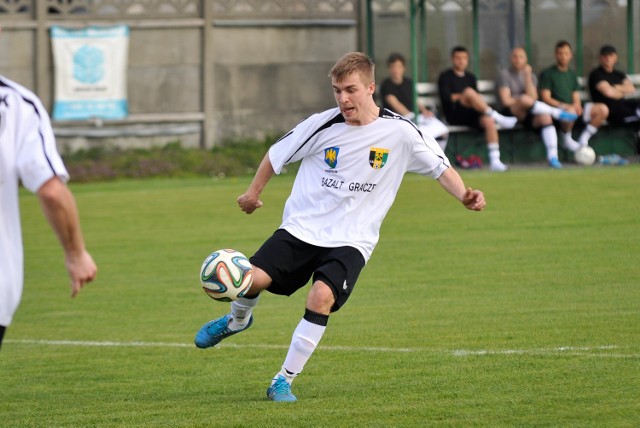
(354, 62)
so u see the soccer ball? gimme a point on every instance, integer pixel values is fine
(585, 156)
(226, 275)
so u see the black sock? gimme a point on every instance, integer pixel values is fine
(2, 329)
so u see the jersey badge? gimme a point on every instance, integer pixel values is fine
(331, 156)
(378, 157)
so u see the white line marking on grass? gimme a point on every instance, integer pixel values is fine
(591, 351)
(190, 345)
(561, 350)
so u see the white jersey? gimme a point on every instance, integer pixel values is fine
(350, 175)
(27, 153)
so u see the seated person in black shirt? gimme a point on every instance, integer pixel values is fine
(611, 87)
(463, 105)
(396, 93)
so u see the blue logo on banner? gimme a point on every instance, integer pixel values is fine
(88, 64)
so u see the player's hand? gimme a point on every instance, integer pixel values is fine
(474, 200)
(249, 203)
(578, 109)
(82, 270)
(528, 70)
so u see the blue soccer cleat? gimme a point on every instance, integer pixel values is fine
(566, 116)
(555, 163)
(280, 390)
(214, 331)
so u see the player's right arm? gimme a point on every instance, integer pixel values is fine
(61, 211)
(249, 201)
(396, 105)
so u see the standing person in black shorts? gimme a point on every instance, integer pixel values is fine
(353, 159)
(611, 87)
(463, 105)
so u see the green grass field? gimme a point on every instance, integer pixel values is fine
(527, 314)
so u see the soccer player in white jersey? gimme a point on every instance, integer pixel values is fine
(28, 154)
(353, 159)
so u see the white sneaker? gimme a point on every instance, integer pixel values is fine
(505, 122)
(498, 166)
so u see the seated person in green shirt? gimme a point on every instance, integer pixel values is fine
(518, 96)
(559, 87)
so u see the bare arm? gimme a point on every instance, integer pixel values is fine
(530, 88)
(545, 96)
(396, 105)
(451, 181)
(504, 93)
(249, 201)
(610, 91)
(626, 87)
(576, 104)
(60, 209)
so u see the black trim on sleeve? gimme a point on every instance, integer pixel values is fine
(334, 121)
(4, 84)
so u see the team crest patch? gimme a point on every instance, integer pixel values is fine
(331, 156)
(378, 157)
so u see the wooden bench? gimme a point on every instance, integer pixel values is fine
(428, 96)
(518, 146)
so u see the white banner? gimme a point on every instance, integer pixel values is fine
(90, 72)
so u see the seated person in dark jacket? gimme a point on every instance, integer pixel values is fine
(463, 105)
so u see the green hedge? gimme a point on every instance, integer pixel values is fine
(235, 158)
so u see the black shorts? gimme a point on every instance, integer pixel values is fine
(291, 262)
(527, 122)
(461, 115)
(623, 112)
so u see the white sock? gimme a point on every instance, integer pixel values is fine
(241, 312)
(506, 122)
(587, 133)
(550, 140)
(289, 377)
(569, 143)
(542, 108)
(304, 341)
(494, 153)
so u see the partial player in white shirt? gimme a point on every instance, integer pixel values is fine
(28, 154)
(353, 159)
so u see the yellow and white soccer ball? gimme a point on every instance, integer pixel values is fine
(226, 275)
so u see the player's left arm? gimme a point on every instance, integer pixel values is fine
(472, 199)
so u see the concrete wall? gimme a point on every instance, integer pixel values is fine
(268, 79)
(208, 72)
